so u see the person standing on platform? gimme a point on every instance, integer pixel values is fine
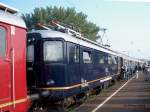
(122, 72)
(146, 72)
(125, 72)
(143, 68)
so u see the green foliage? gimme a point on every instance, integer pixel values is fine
(66, 16)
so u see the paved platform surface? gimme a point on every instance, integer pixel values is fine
(133, 97)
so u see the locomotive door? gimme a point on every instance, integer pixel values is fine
(73, 66)
(86, 66)
(5, 65)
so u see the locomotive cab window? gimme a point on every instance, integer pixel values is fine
(2, 42)
(30, 53)
(53, 51)
(87, 57)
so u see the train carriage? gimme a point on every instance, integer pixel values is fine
(67, 65)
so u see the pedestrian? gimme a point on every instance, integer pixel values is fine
(125, 72)
(137, 74)
(143, 68)
(122, 72)
(146, 72)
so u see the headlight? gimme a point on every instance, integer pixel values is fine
(50, 82)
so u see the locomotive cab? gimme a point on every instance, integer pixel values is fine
(45, 60)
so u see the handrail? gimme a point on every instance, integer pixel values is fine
(13, 77)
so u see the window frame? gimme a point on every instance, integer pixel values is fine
(90, 55)
(112, 59)
(72, 60)
(33, 53)
(6, 40)
(101, 56)
(63, 49)
(109, 60)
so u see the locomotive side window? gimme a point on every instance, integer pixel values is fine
(101, 58)
(53, 51)
(73, 53)
(87, 57)
(110, 61)
(30, 53)
(115, 60)
(76, 56)
(2, 42)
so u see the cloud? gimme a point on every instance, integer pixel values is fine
(145, 1)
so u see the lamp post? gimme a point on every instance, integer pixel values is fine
(138, 51)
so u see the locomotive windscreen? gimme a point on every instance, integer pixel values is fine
(53, 51)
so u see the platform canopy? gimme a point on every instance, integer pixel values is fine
(8, 8)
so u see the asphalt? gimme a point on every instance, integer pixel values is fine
(133, 97)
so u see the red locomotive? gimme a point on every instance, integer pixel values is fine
(13, 90)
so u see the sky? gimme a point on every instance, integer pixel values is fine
(127, 21)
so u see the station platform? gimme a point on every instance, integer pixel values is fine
(125, 96)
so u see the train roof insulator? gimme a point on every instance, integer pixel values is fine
(54, 22)
(41, 25)
(69, 29)
(9, 9)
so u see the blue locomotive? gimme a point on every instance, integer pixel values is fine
(67, 65)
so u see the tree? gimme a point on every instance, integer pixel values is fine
(66, 16)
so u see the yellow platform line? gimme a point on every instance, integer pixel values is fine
(13, 102)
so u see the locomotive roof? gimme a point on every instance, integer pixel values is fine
(8, 8)
(69, 38)
(12, 19)
(56, 34)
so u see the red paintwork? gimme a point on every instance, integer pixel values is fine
(18, 42)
